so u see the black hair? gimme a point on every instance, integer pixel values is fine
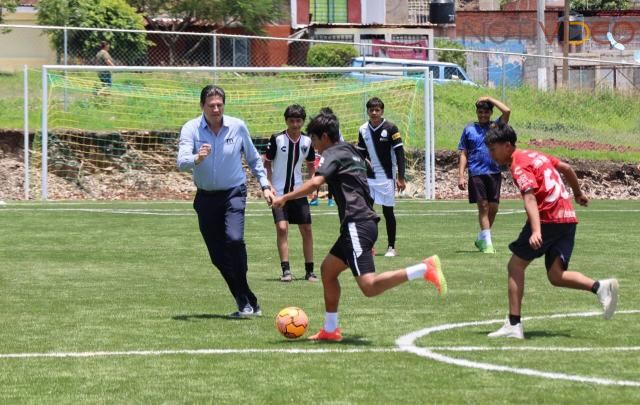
(295, 111)
(501, 133)
(324, 123)
(375, 102)
(210, 91)
(103, 44)
(326, 110)
(484, 105)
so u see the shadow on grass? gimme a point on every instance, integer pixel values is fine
(529, 334)
(351, 340)
(197, 317)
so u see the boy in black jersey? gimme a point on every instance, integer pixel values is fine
(345, 171)
(380, 142)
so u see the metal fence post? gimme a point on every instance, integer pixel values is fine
(66, 61)
(44, 134)
(214, 53)
(26, 132)
(504, 76)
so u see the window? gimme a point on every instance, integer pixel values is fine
(453, 73)
(433, 69)
(418, 12)
(328, 11)
(234, 52)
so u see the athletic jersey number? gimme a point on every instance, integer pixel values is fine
(554, 185)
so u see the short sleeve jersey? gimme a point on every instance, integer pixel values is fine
(286, 157)
(479, 160)
(345, 171)
(379, 145)
(536, 171)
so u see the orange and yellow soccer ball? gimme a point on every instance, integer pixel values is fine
(292, 322)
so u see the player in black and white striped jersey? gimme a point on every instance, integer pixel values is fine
(283, 160)
(380, 142)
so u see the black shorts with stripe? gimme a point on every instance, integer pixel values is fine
(557, 241)
(294, 212)
(485, 187)
(354, 246)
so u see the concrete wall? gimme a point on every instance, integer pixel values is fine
(24, 46)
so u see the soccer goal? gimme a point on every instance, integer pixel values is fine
(119, 140)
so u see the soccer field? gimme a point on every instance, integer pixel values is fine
(118, 303)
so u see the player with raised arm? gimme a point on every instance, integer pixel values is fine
(283, 160)
(380, 142)
(343, 168)
(484, 174)
(550, 229)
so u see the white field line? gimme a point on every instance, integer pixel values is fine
(530, 349)
(191, 352)
(407, 343)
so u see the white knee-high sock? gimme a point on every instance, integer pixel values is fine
(330, 321)
(416, 271)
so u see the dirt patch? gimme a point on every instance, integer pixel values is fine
(598, 179)
(580, 145)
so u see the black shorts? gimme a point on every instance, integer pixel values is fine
(485, 187)
(294, 212)
(354, 246)
(105, 78)
(557, 241)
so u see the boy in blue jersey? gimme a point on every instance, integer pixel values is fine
(484, 174)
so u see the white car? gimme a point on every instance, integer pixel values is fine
(443, 72)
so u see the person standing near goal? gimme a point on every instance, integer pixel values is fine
(212, 146)
(550, 229)
(343, 168)
(484, 174)
(283, 160)
(103, 58)
(380, 142)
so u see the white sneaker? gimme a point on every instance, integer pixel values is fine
(391, 252)
(608, 296)
(509, 331)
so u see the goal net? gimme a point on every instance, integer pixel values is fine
(120, 140)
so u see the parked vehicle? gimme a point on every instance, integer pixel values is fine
(443, 72)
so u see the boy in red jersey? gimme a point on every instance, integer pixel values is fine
(550, 229)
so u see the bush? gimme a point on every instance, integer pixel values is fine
(331, 55)
(450, 56)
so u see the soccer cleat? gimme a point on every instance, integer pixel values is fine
(331, 203)
(256, 311)
(334, 336)
(608, 296)
(314, 202)
(509, 331)
(434, 274)
(484, 247)
(245, 312)
(286, 276)
(311, 277)
(391, 252)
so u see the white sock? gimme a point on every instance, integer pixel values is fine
(485, 235)
(330, 321)
(416, 271)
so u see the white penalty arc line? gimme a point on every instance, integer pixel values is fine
(407, 343)
(193, 352)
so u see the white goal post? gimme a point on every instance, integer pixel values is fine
(132, 125)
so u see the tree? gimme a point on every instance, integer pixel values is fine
(7, 6)
(126, 47)
(450, 56)
(251, 15)
(600, 4)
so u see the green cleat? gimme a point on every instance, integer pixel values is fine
(484, 247)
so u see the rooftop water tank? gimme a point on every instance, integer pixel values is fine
(442, 11)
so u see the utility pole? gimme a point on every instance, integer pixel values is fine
(541, 48)
(565, 44)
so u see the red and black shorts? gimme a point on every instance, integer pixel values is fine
(294, 212)
(354, 246)
(557, 241)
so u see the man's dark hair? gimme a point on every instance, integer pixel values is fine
(501, 133)
(103, 44)
(324, 123)
(210, 91)
(326, 110)
(484, 105)
(295, 111)
(375, 102)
